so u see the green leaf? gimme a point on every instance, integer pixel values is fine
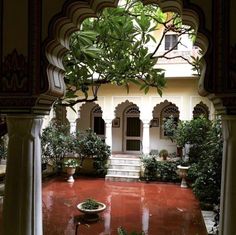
(146, 90)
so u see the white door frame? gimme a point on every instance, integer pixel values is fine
(131, 111)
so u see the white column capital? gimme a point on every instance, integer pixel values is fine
(146, 121)
(108, 121)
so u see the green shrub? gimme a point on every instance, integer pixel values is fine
(150, 167)
(207, 171)
(164, 154)
(90, 204)
(56, 143)
(122, 231)
(205, 155)
(70, 162)
(3, 148)
(89, 145)
(167, 171)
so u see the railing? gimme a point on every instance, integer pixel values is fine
(177, 56)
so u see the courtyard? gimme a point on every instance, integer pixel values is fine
(155, 208)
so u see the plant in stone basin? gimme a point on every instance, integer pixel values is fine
(122, 231)
(90, 204)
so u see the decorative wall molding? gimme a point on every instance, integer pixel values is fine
(232, 67)
(17, 103)
(1, 34)
(14, 74)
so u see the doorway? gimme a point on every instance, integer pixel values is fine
(132, 130)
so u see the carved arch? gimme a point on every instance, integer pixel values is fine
(73, 14)
(126, 104)
(201, 109)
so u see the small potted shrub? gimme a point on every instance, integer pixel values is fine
(91, 148)
(70, 165)
(164, 154)
(122, 231)
(91, 208)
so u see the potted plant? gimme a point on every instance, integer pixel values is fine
(91, 208)
(164, 154)
(91, 148)
(70, 165)
(183, 172)
(122, 231)
(56, 143)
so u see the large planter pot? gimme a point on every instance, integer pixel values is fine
(183, 172)
(70, 172)
(91, 215)
(88, 168)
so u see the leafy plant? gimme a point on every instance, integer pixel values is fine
(71, 162)
(114, 48)
(89, 145)
(150, 167)
(205, 155)
(122, 231)
(167, 171)
(90, 204)
(207, 171)
(191, 132)
(56, 143)
(164, 154)
(3, 148)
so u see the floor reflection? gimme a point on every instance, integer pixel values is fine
(156, 209)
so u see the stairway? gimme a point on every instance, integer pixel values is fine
(124, 168)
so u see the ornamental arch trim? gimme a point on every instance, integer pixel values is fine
(201, 109)
(74, 12)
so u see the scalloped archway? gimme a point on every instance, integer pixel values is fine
(73, 14)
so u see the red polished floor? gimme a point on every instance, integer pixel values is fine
(157, 209)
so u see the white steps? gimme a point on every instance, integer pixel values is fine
(124, 168)
(208, 217)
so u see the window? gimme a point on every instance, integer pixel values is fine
(171, 41)
(99, 127)
(98, 124)
(200, 110)
(170, 110)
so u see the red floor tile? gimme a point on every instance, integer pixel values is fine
(157, 209)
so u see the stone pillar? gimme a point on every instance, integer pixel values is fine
(228, 182)
(22, 209)
(108, 132)
(146, 137)
(72, 127)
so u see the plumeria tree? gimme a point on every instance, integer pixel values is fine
(114, 48)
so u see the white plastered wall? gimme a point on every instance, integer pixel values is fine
(113, 101)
